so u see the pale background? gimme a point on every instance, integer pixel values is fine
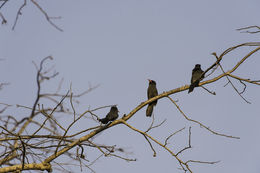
(119, 45)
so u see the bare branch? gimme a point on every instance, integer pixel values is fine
(197, 122)
(5, 1)
(44, 150)
(189, 145)
(204, 162)
(166, 140)
(154, 152)
(47, 16)
(249, 27)
(211, 92)
(24, 152)
(4, 21)
(19, 12)
(232, 84)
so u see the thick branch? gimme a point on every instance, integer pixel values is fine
(32, 166)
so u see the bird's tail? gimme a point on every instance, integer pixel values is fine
(104, 120)
(149, 110)
(191, 87)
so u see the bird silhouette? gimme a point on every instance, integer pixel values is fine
(111, 116)
(151, 92)
(196, 77)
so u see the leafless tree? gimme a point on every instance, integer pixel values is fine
(19, 13)
(48, 139)
(38, 149)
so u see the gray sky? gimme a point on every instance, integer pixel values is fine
(119, 45)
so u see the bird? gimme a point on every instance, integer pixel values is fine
(151, 92)
(196, 77)
(111, 115)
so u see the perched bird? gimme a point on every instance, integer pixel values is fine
(111, 116)
(196, 77)
(151, 92)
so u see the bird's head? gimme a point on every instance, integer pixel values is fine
(151, 81)
(114, 108)
(197, 66)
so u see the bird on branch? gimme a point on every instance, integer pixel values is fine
(196, 77)
(111, 116)
(151, 92)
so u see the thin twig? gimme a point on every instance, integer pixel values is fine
(23, 151)
(166, 140)
(232, 83)
(249, 27)
(189, 144)
(211, 92)
(154, 152)
(19, 12)
(202, 125)
(46, 15)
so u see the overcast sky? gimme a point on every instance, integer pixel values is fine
(119, 45)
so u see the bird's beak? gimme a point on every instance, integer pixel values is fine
(149, 80)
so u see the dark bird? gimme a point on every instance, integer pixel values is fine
(111, 116)
(151, 92)
(196, 77)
